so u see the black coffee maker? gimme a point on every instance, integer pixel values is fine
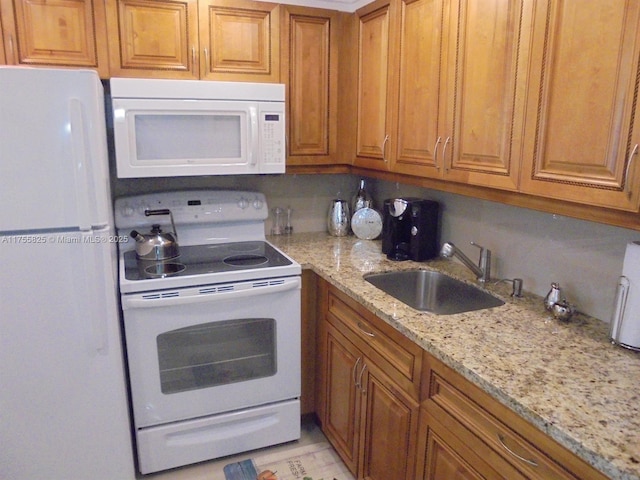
(411, 229)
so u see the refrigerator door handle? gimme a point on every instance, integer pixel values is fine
(96, 304)
(81, 157)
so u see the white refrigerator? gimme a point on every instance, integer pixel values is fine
(64, 411)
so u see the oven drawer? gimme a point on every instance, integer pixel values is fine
(191, 441)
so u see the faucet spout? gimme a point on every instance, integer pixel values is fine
(481, 271)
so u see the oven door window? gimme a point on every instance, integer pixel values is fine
(216, 353)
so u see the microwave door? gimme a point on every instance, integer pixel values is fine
(160, 137)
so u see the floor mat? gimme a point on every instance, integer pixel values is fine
(312, 462)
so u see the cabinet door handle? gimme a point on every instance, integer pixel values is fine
(367, 333)
(519, 457)
(626, 173)
(384, 147)
(363, 390)
(206, 59)
(13, 53)
(444, 153)
(193, 59)
(435, 153)
(355, 368)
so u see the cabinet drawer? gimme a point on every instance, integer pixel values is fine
(452, 451)
(509, 445)
(401, 358)
(509, 437)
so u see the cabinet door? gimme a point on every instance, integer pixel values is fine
(390, 428)
(239, 40)
(417, 130)
(376, 41)
(309, 44)
(581, 131)
(481, 134)
(341, 398)
(153, 38)
(62, 33)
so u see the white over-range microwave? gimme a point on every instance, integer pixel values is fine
(166, 128)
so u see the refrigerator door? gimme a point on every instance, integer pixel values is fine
(63, 402)
(53, 157)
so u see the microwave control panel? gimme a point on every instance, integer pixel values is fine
(273, 150)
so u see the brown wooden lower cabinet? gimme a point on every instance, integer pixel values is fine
(370, 421)
(465, 433)
(392, 411)
(370, 418)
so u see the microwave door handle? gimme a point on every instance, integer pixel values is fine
(137, 302)
(253, 135)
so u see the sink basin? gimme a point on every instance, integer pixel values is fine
(433, 291)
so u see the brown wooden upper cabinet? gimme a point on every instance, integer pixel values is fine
(153, 38)
(236, 40)
(60, 33)
(439, 89)
(309, 40)
(582, 130)
(3, 59)
(377, 32)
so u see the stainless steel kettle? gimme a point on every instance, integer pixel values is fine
(157, 245)
(339, 218)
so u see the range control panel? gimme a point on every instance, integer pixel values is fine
(192, 207)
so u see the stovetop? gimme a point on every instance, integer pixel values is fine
(207, 259)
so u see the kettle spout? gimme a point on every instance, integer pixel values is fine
(138, 237)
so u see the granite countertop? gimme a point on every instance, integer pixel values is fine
(565, 378)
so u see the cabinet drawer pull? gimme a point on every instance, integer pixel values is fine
(626, 173)
(355, 368)
(526, 460)
(435, 153)
(368, 334)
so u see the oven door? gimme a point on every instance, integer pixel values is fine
(203, 350)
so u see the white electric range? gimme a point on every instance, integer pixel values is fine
(213, 335)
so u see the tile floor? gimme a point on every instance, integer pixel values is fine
(310, 433)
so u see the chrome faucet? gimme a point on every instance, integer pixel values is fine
(482, 270)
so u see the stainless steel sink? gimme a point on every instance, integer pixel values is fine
(433, 291)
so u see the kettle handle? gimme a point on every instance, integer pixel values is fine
(163, 211)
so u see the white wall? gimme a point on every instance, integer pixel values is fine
(584, 257)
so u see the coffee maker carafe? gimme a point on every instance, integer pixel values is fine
(411, 229)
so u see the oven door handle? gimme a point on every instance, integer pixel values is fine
(192, 296)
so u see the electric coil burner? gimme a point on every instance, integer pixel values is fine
(213, 335)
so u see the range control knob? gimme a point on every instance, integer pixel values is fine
(258, 204)
(243, 203)
(127, 210)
